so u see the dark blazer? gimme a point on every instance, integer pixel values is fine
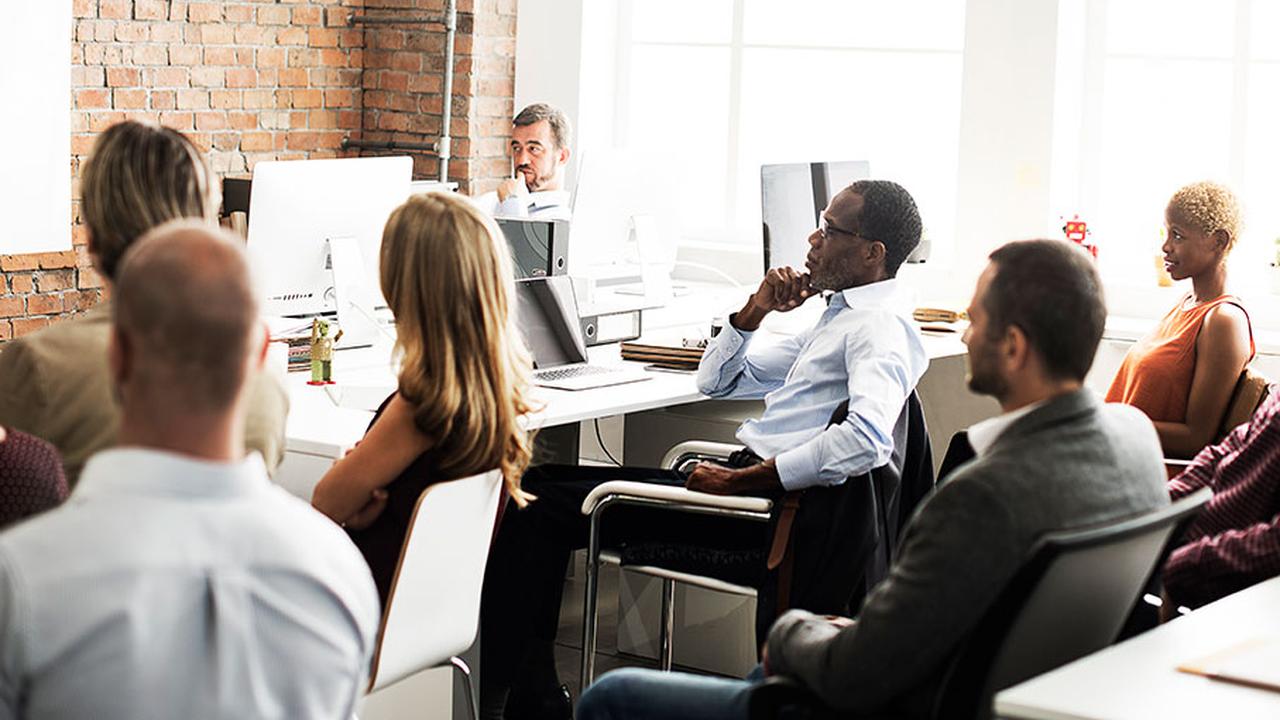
(1072, 462)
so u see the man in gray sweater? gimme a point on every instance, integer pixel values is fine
(1057, 458)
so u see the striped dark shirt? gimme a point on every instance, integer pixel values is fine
(1235, 541)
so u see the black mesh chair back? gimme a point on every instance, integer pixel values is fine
(1069, 600)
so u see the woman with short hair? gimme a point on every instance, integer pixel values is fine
(1183, 373)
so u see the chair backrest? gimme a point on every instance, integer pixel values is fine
(434, 605)
(1069, 599)
(1251, 390)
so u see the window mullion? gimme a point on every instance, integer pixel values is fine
(733, 136)
(1240, 94)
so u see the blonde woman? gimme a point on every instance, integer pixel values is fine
(463, 384)
(54, 384)
(1183, 373)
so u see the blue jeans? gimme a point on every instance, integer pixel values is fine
(637, 694)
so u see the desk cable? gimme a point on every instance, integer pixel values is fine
(600, 441)
(376, 323)
(710, 269)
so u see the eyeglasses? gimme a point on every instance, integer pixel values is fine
(826, 229)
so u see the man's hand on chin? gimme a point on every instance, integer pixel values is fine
(512, 186)
(720, 480)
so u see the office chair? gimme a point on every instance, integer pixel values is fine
(1251, 390)
(433, 607)
(1069, 599)
(856, 524)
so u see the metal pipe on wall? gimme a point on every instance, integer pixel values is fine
(445, 145)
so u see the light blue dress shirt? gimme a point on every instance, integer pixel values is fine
(168, 587)
(864, 349)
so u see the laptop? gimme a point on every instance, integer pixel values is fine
(547, 313)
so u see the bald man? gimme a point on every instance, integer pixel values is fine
(177, 581)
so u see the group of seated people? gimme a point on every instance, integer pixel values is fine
(164, 575)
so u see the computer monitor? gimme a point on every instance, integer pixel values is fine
(547, 315)
(624, 199)
(792, 197)
(300, 208)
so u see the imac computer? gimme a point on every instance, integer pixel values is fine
(315, 229)
(792, 196)
(626, 218)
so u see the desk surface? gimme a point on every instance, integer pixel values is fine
(318, 426)
(1137, 679)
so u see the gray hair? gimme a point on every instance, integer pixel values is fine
(560, 130)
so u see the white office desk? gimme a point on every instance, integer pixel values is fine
(318, 431)
(1137, 680)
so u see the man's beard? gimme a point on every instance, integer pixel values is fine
(983, 378)
(532, 180)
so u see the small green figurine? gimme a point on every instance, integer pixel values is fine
(322, 353)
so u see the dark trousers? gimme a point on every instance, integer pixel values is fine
(524, 580)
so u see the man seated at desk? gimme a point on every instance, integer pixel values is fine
(540, 137)
(864, 350)
(1057, 458)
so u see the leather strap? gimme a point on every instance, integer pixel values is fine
(782, 533)
(779, 556)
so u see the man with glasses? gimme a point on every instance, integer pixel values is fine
(864, 350)
(1056, 459)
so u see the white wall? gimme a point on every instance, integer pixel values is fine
(1008, 179)
(35, 71)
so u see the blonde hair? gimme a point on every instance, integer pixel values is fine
(1210, 207)
(448, 279)
(138, 177)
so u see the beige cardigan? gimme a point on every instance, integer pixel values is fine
(54, 384)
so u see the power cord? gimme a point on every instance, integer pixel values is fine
(600, 441)
(709, 268)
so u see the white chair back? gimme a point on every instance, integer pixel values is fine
(434, 604)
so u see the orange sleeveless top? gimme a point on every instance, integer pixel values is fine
(1156, 374)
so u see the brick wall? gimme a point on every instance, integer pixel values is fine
(403, 86)
(259, 80)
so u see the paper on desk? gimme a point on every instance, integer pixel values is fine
(1255, 663)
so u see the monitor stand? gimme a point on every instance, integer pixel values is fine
(355, 308)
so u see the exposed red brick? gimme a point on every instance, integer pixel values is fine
(44, 304)
(24, 326)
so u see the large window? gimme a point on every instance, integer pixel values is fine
(726, 85)
(1154, 94)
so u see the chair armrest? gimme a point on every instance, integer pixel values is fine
(697, 450)
(677, 496)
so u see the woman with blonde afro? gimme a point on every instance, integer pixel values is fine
(1183, 373)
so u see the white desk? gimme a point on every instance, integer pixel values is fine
(1137, 680)
(318, 431)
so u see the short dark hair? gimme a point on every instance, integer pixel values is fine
(559, 122)
(1050, 289)
(889, 216)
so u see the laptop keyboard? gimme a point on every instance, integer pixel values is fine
(573, 371)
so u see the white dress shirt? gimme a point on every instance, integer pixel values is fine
(168, 587)
(864, 349)
(544, 205)
(982, 435)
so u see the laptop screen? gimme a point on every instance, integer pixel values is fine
(547, 315)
